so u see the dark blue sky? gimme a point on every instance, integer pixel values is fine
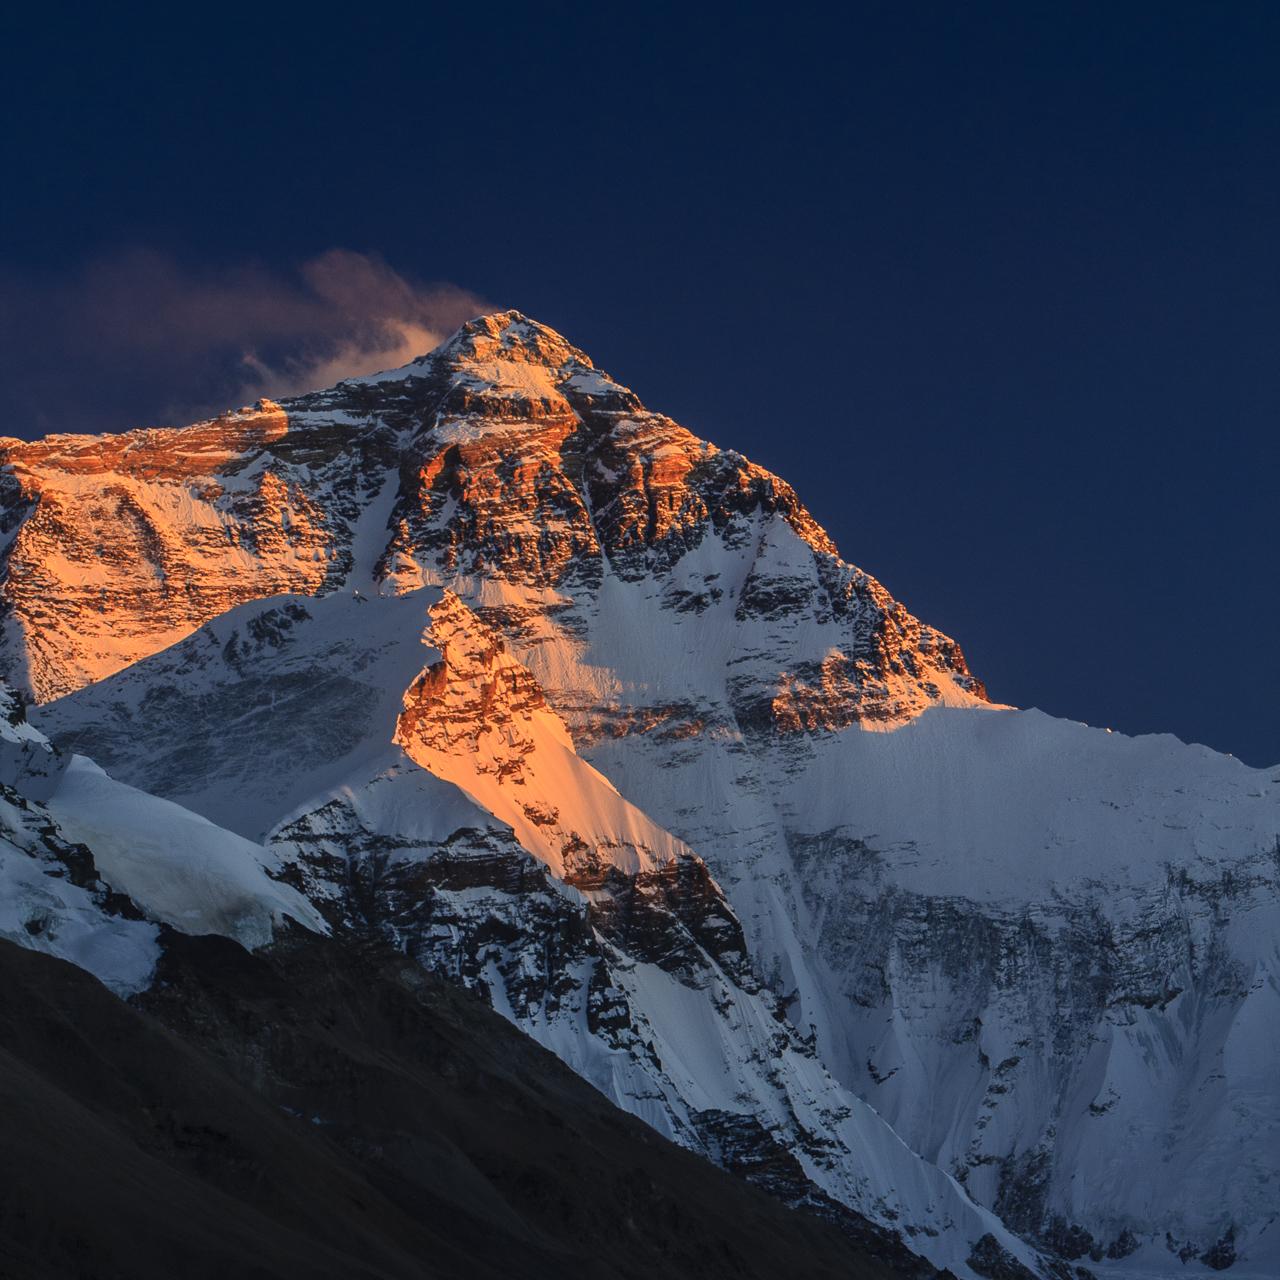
(996, 287)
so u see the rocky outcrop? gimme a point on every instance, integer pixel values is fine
(122, 545)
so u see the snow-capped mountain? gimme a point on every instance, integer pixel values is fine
(589, 714)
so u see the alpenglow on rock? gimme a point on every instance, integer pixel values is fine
(589, 715)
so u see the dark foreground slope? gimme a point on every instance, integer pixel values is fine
(316, 1111)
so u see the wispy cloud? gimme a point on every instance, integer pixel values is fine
(140, 337)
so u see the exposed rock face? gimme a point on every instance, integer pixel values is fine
(478, 717)
(511, 458)
(598, 651)
(122, 545)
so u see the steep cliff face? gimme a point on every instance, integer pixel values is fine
(1075, 943)
(651, 713)
(119, 546)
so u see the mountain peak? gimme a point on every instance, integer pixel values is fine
(480, 347)
(509, 336)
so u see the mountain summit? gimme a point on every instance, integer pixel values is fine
(511, 336)
(504, 451)
(485, 661)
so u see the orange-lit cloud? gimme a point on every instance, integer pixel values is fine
(140, 337)
(370, 318)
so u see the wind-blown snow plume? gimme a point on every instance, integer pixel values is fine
(152, 339)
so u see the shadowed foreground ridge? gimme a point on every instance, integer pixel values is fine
(323, 1111)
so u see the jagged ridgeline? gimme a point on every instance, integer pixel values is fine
(484, 662)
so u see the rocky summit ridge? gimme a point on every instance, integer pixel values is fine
(484, 661)
(504, 452)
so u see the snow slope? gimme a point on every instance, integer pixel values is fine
(250, 737)
(176, 865)
(1046, 953)
(83, 859)
(468, 829)
(41, 908)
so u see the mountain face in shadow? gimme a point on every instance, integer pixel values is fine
(317, 1109)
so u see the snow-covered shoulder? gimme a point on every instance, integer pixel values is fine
(177, 866)
(1003, 804)
(393, 795)
(42, 910)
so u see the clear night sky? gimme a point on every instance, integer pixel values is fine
(997, 288)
